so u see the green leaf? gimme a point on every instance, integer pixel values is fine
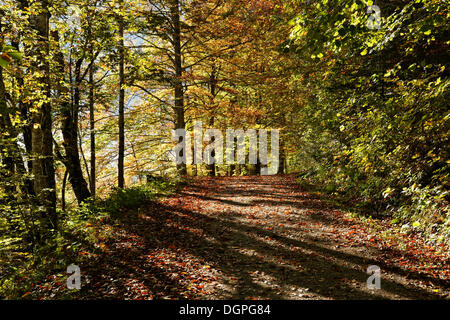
(15, 55)
(3, 63)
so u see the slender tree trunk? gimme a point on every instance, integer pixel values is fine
(231, 170)
(63, 190)
(80, 146)
(212, 89)
(212, 167)
(179, 92)
(121, 179)
(258, 166)
(194, 169)
(91, 82)
(70, 136)
(92, 127)
(282, 160)
(69, 115)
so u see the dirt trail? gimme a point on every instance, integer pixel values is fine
(253, 237)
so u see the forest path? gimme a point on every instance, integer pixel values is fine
(257, 237)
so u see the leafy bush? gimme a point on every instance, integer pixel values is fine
(376, 120)
(427, 211)
(138, 195)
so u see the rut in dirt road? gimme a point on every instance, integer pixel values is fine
(254, 237)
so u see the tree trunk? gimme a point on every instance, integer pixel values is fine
(212, 167)
(92, 127)
(63, 190)
(121, 179)
(258, 167)
(194, 169)
(212, 89)
(231, 170)
(282, 160)
(69, 115)
(41, 134)
(178, 86)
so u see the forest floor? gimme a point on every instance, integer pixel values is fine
(257, 238)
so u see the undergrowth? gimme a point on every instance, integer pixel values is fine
(80, 234)
(419, 210)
